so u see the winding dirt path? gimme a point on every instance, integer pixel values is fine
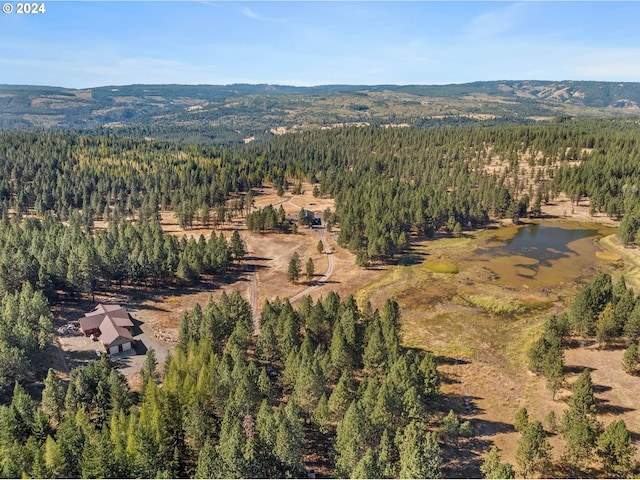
(253, 299)
(253, 283)
(325, 278)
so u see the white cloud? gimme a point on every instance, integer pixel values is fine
(499, 21)
(247, 12)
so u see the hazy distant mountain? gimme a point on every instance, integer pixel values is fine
(236, 113)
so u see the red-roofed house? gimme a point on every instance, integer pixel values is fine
(112, 324)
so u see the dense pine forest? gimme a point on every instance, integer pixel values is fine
(81, 213)
(218, 409)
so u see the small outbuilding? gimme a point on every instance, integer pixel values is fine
(112, 325)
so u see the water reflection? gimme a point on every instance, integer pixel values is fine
(543, 243)
(539, 254)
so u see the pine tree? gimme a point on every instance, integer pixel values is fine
(419, 453)
(237, 247)
(632, 326)
(321, 415)
(493, 468)
(267, 343)
(450, 428)
(374, 357)
(522, 420)
(388, 456)
(148, 370)
(265, 387)
(310, 269)
(533, 449)
(606, 325)
(308, 386)
(367, 467)
(631, 359)
(293, 272)
(53, 396)
(579, 425)
(616, 450)
(289, 444)
(350, 445)
(583, 400)
(429, 370)
(342, 396)
(341, 353)
(208, 462)
(54, 459)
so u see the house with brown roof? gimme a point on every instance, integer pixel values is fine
(112, 325)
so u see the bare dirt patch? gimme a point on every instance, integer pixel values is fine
(563, 207)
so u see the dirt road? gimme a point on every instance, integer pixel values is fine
(253, 283)
(325, 278)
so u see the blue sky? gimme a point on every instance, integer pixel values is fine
(93, 43)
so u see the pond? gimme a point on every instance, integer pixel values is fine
(543, 242)
(542, 253)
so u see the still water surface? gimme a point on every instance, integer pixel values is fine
(544, 243)
(544, 254)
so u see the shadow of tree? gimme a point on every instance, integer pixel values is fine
(577, 369)
(606, 408)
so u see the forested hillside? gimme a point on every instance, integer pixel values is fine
(233, 114)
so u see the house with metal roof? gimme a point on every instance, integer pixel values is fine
(112, 325)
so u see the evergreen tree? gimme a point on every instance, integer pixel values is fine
(237, 247)
(632, 326)
(429, 371)
(450, 428)
(419, 453)
(289, 444)
(208, 462)
(616, 450)
(606, 325)
(388, 456)
(579, 425)
(631, 359)
(293, 272)
(321, 415)
(522, 420)
(350, 440)
(341, 396)
(267, 343)
(533, 449)
(310, 269)
(583, 400)
(148, 370)
(493, 468)
(53, 396)
(308, 386)
(367, 467)
(54, 459)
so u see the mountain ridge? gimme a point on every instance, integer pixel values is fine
(248, 110)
